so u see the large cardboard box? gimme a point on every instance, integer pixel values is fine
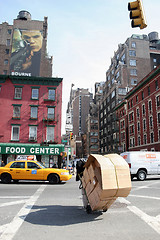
(122, 174)
(107, 177)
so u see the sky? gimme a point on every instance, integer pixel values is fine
(82, 35)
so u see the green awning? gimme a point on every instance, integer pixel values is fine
(31, 149)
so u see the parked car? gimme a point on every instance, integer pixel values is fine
(32, 170)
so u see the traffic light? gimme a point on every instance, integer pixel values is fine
(137, 14)
(71, 136)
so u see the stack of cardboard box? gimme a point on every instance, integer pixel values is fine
(105, 178)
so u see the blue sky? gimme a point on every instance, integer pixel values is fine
(82, 35)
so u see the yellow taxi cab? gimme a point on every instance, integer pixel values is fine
(32, 170)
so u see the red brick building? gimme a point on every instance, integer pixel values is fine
(139, 115)
(30, 110)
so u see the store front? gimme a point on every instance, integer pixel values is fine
(49, 155)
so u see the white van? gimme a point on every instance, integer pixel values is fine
(142, 164)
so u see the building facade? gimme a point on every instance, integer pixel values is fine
(131, 62)
(31, 116)
(139, 115)
(23, 47)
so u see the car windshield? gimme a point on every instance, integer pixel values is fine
(41, 165)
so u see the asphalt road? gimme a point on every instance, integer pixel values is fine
(37, 210)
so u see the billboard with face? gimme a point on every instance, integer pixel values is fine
(26, 52)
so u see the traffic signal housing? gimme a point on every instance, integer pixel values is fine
(71, 136)
(137, 14)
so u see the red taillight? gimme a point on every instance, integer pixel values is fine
(129, 165)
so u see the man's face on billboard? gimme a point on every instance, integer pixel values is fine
(34, 38)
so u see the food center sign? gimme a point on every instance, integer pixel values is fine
(31, 149)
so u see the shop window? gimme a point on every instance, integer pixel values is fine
(15, 133)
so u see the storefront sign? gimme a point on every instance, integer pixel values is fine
(28, 149)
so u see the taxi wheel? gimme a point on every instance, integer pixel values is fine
(6, 178)
(53, 179)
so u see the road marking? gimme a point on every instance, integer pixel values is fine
(153, 222)
(12, 203)
(140, 196)
(141, 187)
(10, 229)
(13, 197)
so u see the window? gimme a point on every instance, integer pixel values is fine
(32, 165)
(137, 112)
(35, 93)
(50, 113)
(33, 133)
(158, 118)
(139, 140)
(15, 133)
(156, 84)
(133, 72)
(133, 44)
(132, 62)
(50, 133)
(144, 124)
(18, 93)
(150, 105)
(138, 126)
(143, 109)
(6, 62)
(7, 51)
(152, 137)
(133, 81)
(34, 112)
(112, 81)
(154, 60)
(151, 121)
(51, 94)
(145, 139)
(122, 91)
(16, 111)
(136, 98)
(5, 72)
(132, 53)
(9, 31)
(158, 101)
(8, 42)
(142, 95)
(113, 94)
(18, 165)
(149, 91)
